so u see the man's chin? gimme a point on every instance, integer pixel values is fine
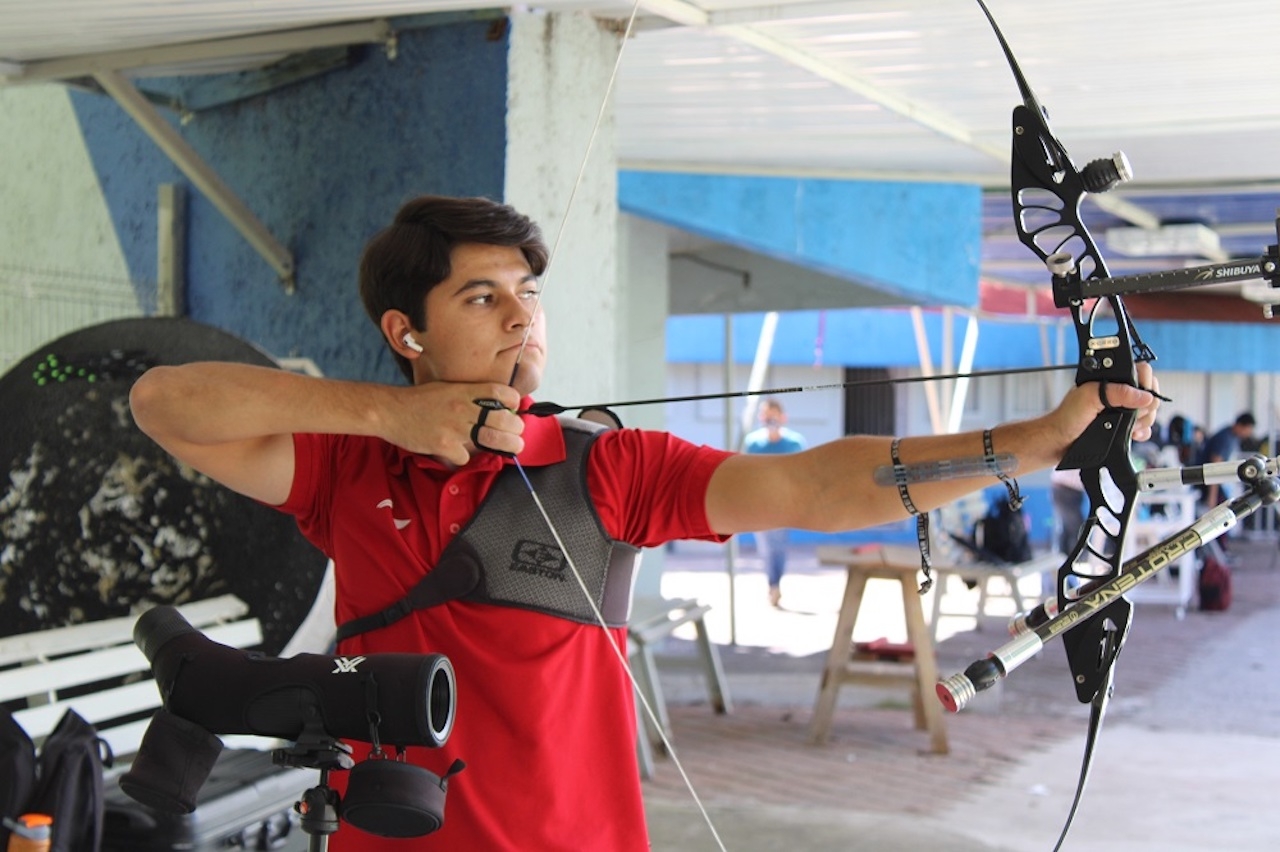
(526, 379)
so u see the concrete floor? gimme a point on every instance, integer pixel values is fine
(1188, 758)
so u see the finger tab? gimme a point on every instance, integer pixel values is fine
(487, 406)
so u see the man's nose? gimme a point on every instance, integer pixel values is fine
(518, 314)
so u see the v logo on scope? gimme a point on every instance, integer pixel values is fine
(345, 665)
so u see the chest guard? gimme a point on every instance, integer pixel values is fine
(507, 555)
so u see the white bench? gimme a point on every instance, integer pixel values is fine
(982, 575)
(96, 670)
(652, 620)
(42, 667)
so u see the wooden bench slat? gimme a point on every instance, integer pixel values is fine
(976, 570)
(53, 661)
(125, 739)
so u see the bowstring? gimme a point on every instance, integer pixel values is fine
(533, 313)
(577, 184)
(650, 713)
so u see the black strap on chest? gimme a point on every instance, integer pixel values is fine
(507, 556)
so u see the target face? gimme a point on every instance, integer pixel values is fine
(96, 521)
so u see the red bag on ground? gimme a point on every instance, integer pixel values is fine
(1215, 585)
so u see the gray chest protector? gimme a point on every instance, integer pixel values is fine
(508, 556)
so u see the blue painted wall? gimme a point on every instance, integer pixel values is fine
(921, 241)
(884, 337)
(324, 164)
(1213, 347)
(855, 337)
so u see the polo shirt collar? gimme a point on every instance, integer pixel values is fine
(543, 445)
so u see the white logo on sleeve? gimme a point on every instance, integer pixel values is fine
(400, 523)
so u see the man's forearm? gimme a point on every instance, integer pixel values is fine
(202, 406)
(833, 487)
(856, 500)
(213, 403)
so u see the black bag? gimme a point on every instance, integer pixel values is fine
(1002, 534)
(69, 786)
(17, 771)
(64, 782)
(1215, 585)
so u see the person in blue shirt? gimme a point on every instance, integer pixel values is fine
(773, 436)
(1224, 445)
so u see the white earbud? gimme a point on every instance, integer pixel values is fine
(408, 340)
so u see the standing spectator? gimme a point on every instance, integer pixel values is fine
(773, 437)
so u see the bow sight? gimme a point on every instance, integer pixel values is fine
(1070, 288)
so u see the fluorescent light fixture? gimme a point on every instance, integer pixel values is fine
(1191, 240)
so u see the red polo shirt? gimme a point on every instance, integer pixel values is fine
(545, 719)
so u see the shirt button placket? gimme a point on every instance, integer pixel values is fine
(452, 490)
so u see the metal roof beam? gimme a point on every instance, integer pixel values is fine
(677, 11)
(779, 13)
(199, 173)
(689, 14)
(918, 112)
(170, 55)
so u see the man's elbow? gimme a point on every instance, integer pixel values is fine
(149, 399)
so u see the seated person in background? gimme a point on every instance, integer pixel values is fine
(1224, 445)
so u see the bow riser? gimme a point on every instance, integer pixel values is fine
(1047, 191)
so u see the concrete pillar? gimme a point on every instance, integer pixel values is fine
(642, 317)
(644, 267)
(559, 68)
(606, 289)
(605, 292)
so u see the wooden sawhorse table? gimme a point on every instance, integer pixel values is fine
(886, 562)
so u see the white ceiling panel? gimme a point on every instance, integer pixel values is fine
(851, 86)
(51, 30)
(895, 88)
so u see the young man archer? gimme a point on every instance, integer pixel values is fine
(390, 482)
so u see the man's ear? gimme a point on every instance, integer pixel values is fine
(400, 333)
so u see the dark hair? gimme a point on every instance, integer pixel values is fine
(1181, 431)
(1246, 419)
(406, 259)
